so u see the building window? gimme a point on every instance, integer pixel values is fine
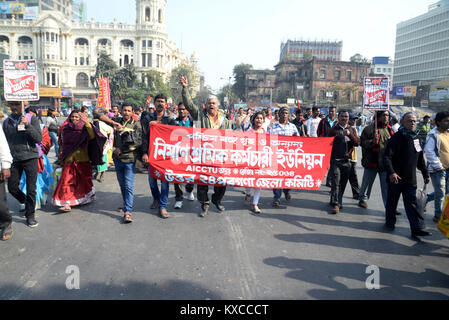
(150, 43)
(76, 61)
(337, 74)
(150, 62)
(144, 43)
(53, 79)
(48, 78)
(147, 14)
(82, 80)
(52, 37)
(160, 16)
(349, 75)
(82, 61)
(144, 59)
(322, 74)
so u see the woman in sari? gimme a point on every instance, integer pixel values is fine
(82, 147)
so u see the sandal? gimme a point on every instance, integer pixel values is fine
(65, 209)
(127, 218)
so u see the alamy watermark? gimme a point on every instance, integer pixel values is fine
(72, 282)
(373, 280)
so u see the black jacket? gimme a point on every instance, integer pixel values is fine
(145, 120)
(23, 143)
(402, 158)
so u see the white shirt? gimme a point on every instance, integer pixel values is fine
(5, 153)
(312, 127)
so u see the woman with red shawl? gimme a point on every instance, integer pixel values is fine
(82, 147)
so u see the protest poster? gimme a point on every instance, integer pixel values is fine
(104, 96)
(233, 158)
(21, 80)
(376, 94)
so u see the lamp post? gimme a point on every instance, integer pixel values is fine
(228, 94)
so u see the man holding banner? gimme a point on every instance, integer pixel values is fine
(212, 118)
(160, 197)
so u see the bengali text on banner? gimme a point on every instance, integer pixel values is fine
(233, 158)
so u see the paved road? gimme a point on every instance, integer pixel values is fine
(299, 251)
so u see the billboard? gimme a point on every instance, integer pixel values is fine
(17, 8)
(5, 8)
(409, 91)
(381, 60)
(31, 13)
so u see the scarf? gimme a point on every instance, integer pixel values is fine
(373, 164)
(74, 136)
(408, 134)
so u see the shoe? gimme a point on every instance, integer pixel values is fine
(288, 196)
(276, 203)
(436, 220)
(420, 233)
(178, 205)
(247, 197)
(164, 214)
(31, 222)
(363, 204)
(155, 204)
(205, 210)
(219, 207)
(389, 227)
(190, 196)
(256, 209)
(398, 213)
(127, 218)
(7, 232)
(335, 209)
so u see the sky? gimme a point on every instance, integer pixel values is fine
(226, 33)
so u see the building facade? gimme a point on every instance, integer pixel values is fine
(259, 86)
(422, 47)
(383, 67)
(67, 51)
(322, 81)
(294, 50)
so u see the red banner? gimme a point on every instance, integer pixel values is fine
(233, 158)
(104, 96)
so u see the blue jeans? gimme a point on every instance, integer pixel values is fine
(369, 176)
(278, 193)
(54, 141)
(161, 196)
(125, 177)
(440, 181)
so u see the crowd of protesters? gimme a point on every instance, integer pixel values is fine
(85, 149)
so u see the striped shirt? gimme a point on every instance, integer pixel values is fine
(288, 129)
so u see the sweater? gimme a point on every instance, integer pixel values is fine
(203, 116)
(402, 158)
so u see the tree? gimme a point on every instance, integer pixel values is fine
(152, 80)
(183, 70)
(308, 56)
(239, 86)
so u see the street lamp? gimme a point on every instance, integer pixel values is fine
(229, 90)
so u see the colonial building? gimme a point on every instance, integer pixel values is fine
(67, 50)
(321, 81)
(259, 86)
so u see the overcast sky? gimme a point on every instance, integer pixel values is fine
(226, 33)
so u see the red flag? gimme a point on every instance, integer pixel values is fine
(299, 106)
(148, 100)
(204, 107)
